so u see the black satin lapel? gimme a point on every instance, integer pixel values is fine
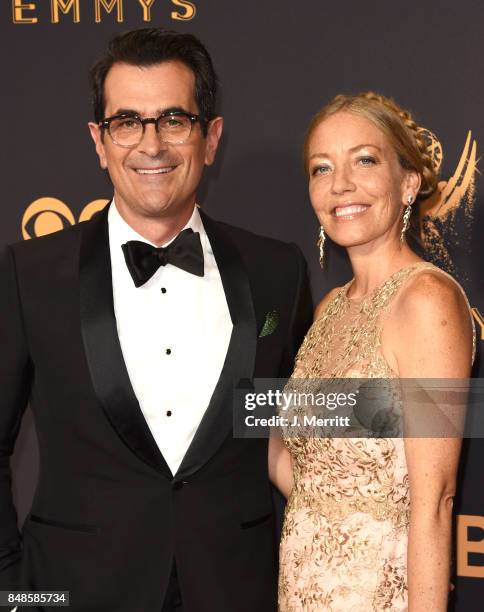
(103, 351)
(217, 421)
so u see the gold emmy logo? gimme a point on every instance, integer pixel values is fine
(23, 12)
(466, 545)
(451, 206)
(49, 215)
(446, 217)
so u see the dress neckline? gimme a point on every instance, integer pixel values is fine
(360, 300)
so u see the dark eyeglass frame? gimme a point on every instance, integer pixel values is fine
(105, 124)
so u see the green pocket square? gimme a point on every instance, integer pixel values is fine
(270, 324)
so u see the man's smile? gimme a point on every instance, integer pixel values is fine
(161, 170)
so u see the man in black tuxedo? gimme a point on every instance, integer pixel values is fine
(127, 334)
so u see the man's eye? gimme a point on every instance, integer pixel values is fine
(129, 124)
(173, 123)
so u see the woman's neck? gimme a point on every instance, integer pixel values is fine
(373, 264)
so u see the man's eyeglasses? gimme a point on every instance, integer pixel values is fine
(127, 129)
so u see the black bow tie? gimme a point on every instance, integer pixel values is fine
(143, 259)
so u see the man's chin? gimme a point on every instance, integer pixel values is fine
(157, 208)
(154, 205)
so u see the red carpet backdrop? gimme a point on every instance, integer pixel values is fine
(278, 62)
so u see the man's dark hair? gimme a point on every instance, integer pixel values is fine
(150, 46)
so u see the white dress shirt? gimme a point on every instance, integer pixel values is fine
(174, 332)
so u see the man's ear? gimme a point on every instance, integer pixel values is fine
(96, 136)
(214, 133)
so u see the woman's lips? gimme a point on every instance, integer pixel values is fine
(349, 211)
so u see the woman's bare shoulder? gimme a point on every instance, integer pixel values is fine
(429, 331)
(431, 293)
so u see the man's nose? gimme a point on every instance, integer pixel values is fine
(342, 180)
(151, 142)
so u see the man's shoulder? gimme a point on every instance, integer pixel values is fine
(253, 245)
(49, 246)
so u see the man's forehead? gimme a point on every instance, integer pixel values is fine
(156, 87)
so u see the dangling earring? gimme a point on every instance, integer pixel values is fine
(320, 244)
(406, 217)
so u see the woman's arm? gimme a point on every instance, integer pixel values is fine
(430, 335)
(280, 465)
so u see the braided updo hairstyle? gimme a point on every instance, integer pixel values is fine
(398, 126)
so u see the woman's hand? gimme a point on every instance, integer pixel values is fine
(280, 465)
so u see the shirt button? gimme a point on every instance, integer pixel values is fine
(163, 290)
(168, 413)
(168, 351)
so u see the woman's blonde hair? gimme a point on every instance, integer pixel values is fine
(396, 123)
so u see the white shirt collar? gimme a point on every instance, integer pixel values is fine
(121, 232)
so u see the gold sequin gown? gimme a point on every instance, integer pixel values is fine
(344, 539)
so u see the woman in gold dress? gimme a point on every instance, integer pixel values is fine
(368, 521)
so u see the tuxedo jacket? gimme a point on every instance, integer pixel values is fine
(108, 518)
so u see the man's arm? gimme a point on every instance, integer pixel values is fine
(301, 318)
(15, 383)
(280, 464)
